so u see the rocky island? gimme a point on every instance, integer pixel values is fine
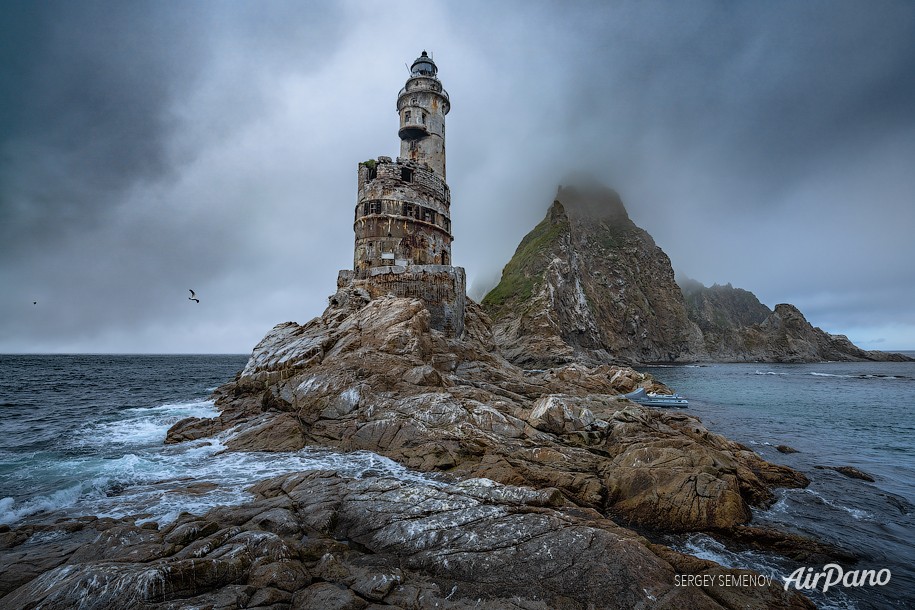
(532, 485)
(588, 284)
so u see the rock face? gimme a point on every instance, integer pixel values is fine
(587, 283)
(535, 473)
(373, 376)
(318, 540)
(737, 327)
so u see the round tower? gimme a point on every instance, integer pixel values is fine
(422, 105)
(402, 220)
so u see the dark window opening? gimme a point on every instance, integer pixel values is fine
(428, 215)
(406, 116)
(373, 173)
(406, 174)
(408, 209)
(447, 224)
(422, 115)
(374, 207)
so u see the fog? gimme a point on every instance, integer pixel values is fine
(149, 148)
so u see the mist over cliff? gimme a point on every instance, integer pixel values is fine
(588, 282)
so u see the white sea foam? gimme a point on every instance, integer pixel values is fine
(704, 546)
(860, 515)
(159, 480)
(141, 426)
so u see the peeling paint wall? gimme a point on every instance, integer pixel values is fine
(422, 105)
(401, 217)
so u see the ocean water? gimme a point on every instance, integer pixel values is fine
(83, 435)
(858, 414)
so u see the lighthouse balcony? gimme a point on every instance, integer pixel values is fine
(413, 132)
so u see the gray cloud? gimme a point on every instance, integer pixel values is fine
(150, 148)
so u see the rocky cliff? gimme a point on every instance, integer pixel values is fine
(737, 327)
(587, 283)
(535, 479)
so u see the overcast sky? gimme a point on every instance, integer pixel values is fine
(149, 148)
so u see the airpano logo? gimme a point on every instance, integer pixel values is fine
(832, 575)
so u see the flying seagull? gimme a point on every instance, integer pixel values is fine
(34, 302)
(193, 296)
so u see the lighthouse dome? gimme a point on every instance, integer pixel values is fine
(424, 66)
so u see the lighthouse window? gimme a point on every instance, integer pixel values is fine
(406, 116)
(406, 174)
(423, 117)
(374, 207)
(427, 214)
(413, 101)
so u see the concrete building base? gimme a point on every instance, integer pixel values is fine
(442, 288)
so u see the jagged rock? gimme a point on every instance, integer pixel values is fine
(849, 471)
(785, 449)
(279, 433)
(409, 544)
(588, 284)
(565, 428)
(542, 465)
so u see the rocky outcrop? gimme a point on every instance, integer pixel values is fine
(372, 376)
(538, 476)
(319, 540)
(588, 284)
(736, 327)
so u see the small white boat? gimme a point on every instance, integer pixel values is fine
(650, 399)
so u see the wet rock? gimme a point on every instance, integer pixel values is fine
(849, 471)
(327, 596)
(375, 540)
(375, 378)
(189, 532)
(191, 429)
(785, 449)
(278, 433)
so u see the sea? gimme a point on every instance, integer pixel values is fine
(83, 435)
(859, 414)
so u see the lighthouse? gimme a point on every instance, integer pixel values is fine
(422, 105)
(402, 219)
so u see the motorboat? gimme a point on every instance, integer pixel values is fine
(651, 399)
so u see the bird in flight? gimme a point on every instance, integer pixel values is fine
(193, 296)
(34, 302)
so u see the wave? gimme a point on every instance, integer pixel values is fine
(861, 376)
(161, 482)
(141, 426)
(205, 408)
(856, 513)
(769, 373)
(704, 546)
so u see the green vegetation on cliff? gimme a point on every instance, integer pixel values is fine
(524, 271)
